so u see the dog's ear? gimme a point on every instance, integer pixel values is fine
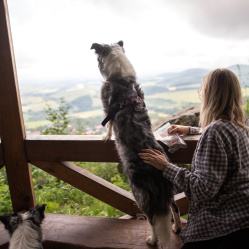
(121, 43)
(98, 48)
(41, 209)
(5, 218)
(37, 213)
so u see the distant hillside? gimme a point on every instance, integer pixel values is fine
(187, 77)
(164, 94)
(190, 79)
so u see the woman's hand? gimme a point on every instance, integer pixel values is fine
(179, 129)
(155, 158)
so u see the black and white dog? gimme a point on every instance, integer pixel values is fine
(25, 229)
(123, 104)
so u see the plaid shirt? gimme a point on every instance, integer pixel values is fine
(218, 185)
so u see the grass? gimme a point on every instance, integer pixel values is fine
(177, 96)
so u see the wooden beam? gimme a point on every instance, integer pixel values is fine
(12, 125)
(70, 148)
(92, 185)
(90, 149)
(81, 232)
(182, 203)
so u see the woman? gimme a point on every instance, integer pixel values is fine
(218, 185)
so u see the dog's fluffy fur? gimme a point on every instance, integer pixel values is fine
(25, 229)
(132, 128)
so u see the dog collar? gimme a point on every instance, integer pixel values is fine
(134, 99)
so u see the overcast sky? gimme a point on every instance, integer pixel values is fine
(52, 38)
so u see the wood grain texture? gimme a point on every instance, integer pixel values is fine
(12, 125)
(90, 149)
(62, 231)
(182, 203)
(92, 185)
(79, 232)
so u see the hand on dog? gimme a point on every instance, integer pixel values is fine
(155, 158)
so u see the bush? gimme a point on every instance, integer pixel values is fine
(62, 198)
(65, 199)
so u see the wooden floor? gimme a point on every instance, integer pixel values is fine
(74, 232)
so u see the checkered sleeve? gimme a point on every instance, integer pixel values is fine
(194, 130)
(210, 169)
(246, 120)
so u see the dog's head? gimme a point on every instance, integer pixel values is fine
(112, 60)
(11, 221)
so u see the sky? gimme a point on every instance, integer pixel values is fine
(52, 38)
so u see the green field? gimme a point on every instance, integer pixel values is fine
(159, 105)
(165, 94)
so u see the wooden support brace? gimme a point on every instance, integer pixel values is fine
(11, 119)
(92, 185)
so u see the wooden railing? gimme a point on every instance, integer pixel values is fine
(54, 153)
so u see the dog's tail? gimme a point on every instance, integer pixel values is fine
(162, 226)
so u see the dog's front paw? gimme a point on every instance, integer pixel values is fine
(176, 228)
(150, 240)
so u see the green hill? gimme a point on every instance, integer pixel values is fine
(164, 94)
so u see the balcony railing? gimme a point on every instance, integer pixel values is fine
(54, 153)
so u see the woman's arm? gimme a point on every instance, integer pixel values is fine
(184, 130)
(210, 169)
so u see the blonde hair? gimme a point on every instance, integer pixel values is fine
(222, 98)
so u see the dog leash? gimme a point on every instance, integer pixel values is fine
(135, 99)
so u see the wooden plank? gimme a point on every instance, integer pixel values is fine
(80, 232)
(12, 125)
(90, 149)
(70, 148)
(182, 203)
(61, 232)
(92, 185)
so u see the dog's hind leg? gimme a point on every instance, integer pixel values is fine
(177, 226)
(161, 229)
(152, 240)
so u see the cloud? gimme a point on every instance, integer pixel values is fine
(52, 38)
(129, 8)
(216, 18)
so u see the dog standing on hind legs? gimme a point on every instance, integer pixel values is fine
(25, 229)
(122, 100)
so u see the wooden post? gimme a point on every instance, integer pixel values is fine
(11, 119)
